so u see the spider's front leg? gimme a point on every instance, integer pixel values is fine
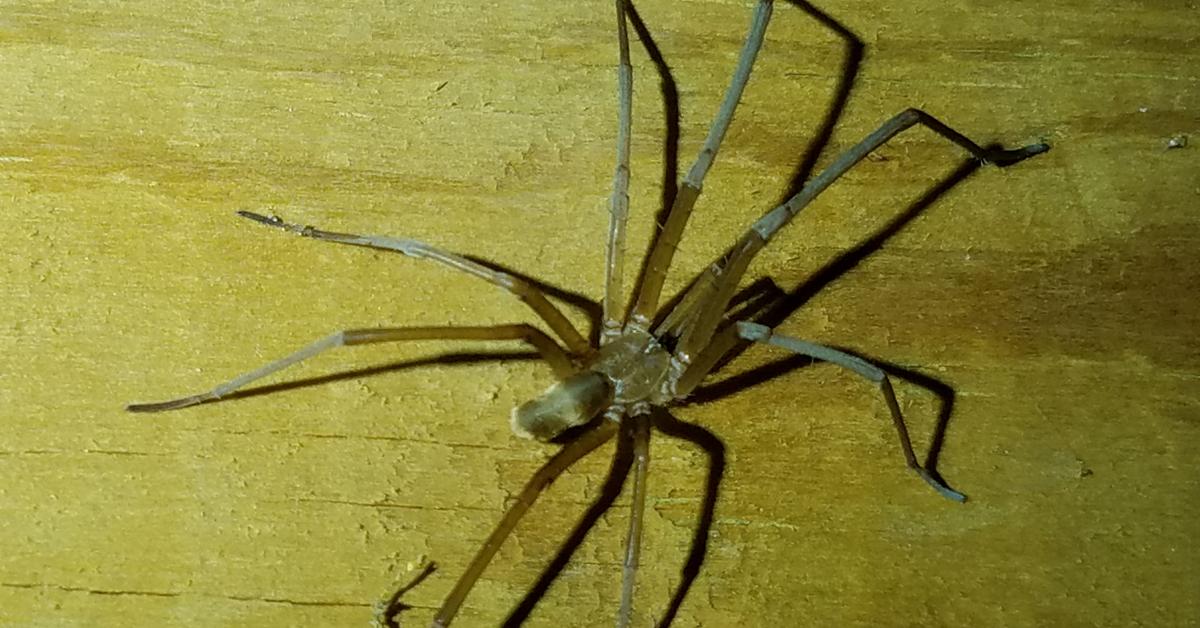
(668, 237)
(515, 286)
(728, 272)
(614, 266)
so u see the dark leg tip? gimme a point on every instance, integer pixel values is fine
(162, 406)
(145, 407)
(270, 221)
(1004, 158)
(940, 487)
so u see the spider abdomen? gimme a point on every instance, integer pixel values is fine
(569, 403)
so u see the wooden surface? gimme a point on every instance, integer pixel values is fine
(1057, 298)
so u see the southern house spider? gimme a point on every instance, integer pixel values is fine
(646, 357)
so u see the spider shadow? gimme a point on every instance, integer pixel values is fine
(837, 105)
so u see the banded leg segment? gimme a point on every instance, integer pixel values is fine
(659, 260)
(760, 333)
(614, 267)
(412, 248)
(558, 359)
(734, 265)
(571, 453)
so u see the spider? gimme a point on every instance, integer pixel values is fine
(646, 357)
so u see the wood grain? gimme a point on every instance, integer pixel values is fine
(1057, 298)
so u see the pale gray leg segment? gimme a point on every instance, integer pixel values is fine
(558, 359)
(773, 221)
(413, 248)
(760, 333)
(733, 267)
(614, 267)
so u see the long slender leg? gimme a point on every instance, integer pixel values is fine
(614, 267)
(412, 248)
(558, 359)
(607, 493)
(567, 456)
(633, 542)
(733, 266)
(760, 333)
(668, 238)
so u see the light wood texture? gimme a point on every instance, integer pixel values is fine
(1057, 297)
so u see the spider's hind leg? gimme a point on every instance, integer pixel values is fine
(759, 333)
(570, 453)
(633, 541)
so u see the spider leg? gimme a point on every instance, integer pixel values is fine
(570, 453)
(701, 364)
(733, 266)
(614, 267)
(760, 333)
(689, 304)
(633, 542)
(668, 237)
(558, 359)
(412, 248)
(607, 494)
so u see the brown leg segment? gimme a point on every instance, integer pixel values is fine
(571, 453)
(614, 267)
(633, 542)
(659, 260)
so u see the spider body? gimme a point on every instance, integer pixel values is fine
(647, 358)
(631, 372)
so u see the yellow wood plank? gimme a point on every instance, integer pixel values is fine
(1057, 298)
